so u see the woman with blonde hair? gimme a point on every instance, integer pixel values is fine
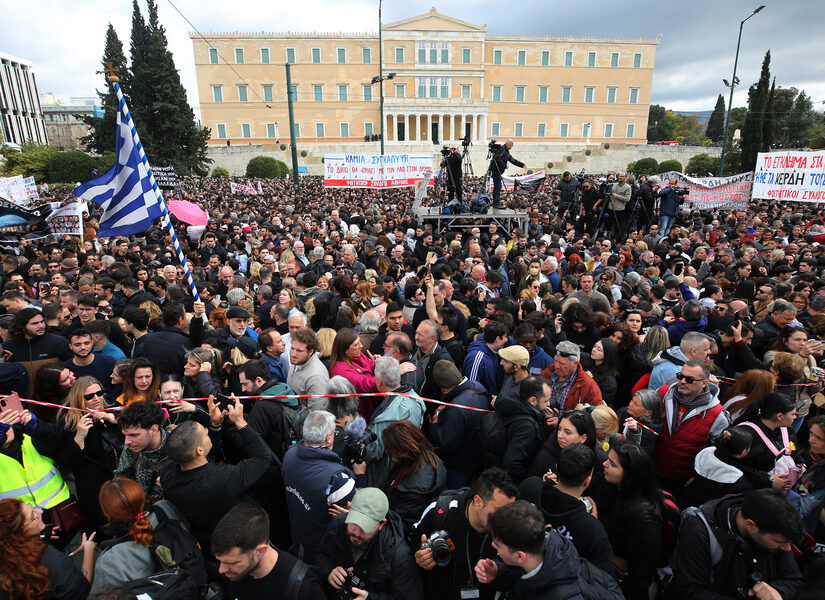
(326, 337)
(202, 373)
(288, 297)
(363, 296)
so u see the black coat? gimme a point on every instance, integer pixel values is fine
(430, 389)
(523, 436)
(501, 157)
(167, 350)
(418, 488)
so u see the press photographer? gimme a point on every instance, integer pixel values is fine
(671, 198)
(452, 162)
(452, 534)
(498, 165)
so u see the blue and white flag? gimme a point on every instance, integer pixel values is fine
(127, 193)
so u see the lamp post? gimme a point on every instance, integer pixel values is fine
(732, 85)
(380, 78)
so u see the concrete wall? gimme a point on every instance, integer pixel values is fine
(535, 156)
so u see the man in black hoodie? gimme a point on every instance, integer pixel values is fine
(523, 416)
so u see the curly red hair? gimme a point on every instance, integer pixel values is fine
(122, 501)
(27, 578)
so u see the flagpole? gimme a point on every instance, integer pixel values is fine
(166, 219)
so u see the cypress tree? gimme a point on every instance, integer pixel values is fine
(757, 103)
(769, 120)
(716, 123)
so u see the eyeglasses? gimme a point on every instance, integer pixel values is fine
(688, 378)
(90, 395)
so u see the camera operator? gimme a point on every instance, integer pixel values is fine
(590, 203)
(461, 516)
(618, 199)
(669, 203)
(452, 161)
(498, 164)
(647, 191)
(567, 187)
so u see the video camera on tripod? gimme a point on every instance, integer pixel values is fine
(493, 146)
(682, 191)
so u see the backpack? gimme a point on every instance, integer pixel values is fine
(166, 585)
(593, 583)
(671, 519)
(480, 204)
(292, 417)
(494, 434)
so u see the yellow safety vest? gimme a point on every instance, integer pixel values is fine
(36, 482)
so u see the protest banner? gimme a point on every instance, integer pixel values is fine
(524, 181)
(794, 176)
(66, 220)
(375, 171)
(14, 189)
(242, 188)
(31, 188)
(713, 192)
(166, 178)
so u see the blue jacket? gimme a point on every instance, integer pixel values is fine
(482, 365)
(315, 479)
(678, 330)
(665, 366)
(668, 202)
(538, 360)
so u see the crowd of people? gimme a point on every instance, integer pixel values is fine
(359, 405)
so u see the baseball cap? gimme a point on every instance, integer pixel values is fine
(515, 354)
(369, 507)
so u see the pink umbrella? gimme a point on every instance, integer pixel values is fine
(188, 212)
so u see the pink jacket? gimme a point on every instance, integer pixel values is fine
(361, 373)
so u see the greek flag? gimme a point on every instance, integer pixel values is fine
(127, 193)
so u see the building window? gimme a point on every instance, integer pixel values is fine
(588, 94)
(367, 93)
(342, 56)
(213, 56)
(421, 87)
(433, 52)
(495, 129)
(319, 130)
(614, 59)
(541, 130)
(563, 129)
(634, 95)
(267, 93)
(543, 93)
(221, 131)
(520, 93)
(399, 90)
(585, 130)
(565, 94)
(445, 87)
(465, 91)
(433, 87)
(422, 52)
(296, 130)
(591, 59)
(239, 56)
(342, 93)
(217, 93)
(344, 130)
(243, 93)
(496, 93)
(290, 55)
(368, 128)
(316, 56)
(545, 58)
(637, 60)
(611, 95)
(366, 55)
(496, 57)
(518, 130)
(272, 130)
(399, 54)
(264, 56)
(293, 92)
(522, 57)
(568, 58)
(246, 131)
(445, 52)
(608, 130)
(318, 93)
(465, 56)
(631, 130)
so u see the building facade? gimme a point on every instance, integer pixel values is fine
(21, 117)
(451, 79)
(64, 122)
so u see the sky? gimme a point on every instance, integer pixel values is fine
(64, 38)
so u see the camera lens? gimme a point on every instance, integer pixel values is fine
(441, 552)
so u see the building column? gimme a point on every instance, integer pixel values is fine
(417, 128)
(407, 123)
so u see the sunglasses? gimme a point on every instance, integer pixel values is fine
(91, 395)
(688, 378)
(564, 354)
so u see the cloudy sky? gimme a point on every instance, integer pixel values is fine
(65, 38)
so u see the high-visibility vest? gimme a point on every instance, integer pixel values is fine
(36, 482)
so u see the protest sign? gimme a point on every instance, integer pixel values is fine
(375, 171)
(524, 181)
(66, 220)
(166, 178)
(794, 176)
(31, 188)
(713, 192)
(14, 189)
(243, 188)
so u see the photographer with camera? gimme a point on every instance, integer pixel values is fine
(453, 536)
(567, 187)
(498, 165)
(589, 204)
(452, 162)
(364, 554)
(670, 199)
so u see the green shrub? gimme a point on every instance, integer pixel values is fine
(31, 162)
(645, 166)
(220, 172)
(702, 164)
(818, 143)
(73, 165)
(266, 167)
(105, 162)
(670, 165)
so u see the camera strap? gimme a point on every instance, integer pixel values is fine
(295, 579)
(472, 581)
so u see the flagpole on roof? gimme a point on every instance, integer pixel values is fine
(167, 221)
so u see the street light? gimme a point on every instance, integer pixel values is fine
(381, 79)
(732, 85)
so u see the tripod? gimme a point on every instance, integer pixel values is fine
(494, 165)
(465, 159)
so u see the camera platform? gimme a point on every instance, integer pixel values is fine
(506, 218)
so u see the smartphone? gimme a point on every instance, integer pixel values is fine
(735, 323)
(11, 402)
(677, 268)
(223, 401)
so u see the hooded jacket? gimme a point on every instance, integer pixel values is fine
(714, 478)
(678, 330)
(523, 436)
(167, 350)
(665, 366)
(417, 489)
(482, 365)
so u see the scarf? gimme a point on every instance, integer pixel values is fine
(700, 400)
(811, 472)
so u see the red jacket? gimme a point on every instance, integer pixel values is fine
(584, 390)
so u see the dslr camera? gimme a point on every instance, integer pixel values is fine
(357, 436)
(352, 581)
(442, 546)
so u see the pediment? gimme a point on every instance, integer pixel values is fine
(433, 21)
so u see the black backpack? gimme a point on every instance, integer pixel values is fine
(593, 583)
(166, 585)
(494, 433)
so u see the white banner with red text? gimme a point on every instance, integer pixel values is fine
(375, 171)
(793, 176)
(713, 192)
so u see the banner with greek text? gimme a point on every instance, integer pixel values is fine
(31, 188)
(713, 192)
(243, 188)
(14, 189)
(793, 176)
(375, 171)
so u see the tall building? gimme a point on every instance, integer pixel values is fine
(64, 121)
(450, 79)
(21, 117)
